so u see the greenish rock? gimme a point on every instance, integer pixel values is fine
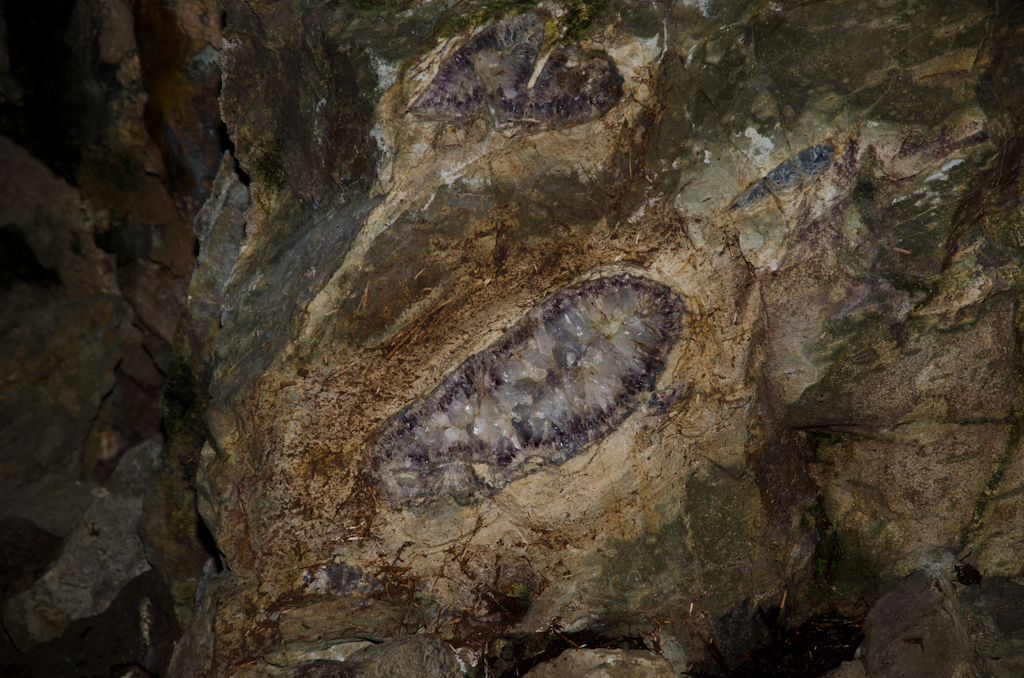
(171, 528)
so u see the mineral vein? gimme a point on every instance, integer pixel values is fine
(788, 175)
(565, 375)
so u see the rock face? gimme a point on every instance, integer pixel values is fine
(134, 633)
(100, 556)
(605, 664)
(919, 629)
(419, 656)
(926, 626)
(822, 387)
(108, 147)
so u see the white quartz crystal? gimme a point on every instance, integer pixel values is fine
(563, 376)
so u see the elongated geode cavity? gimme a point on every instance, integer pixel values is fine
(565, 375)
(790, 174)
(502, 74)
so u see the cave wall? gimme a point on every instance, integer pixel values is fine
(833, 194)
(110, 139)
(820, 201)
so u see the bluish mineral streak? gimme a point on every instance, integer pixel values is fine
(793, 173)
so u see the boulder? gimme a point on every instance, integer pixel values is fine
(102, 553)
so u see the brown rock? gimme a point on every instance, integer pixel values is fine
(604, 664)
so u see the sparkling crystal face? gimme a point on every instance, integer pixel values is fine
(501, 74)
(565, 375)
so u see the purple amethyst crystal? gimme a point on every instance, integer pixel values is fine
(565, 375)
(492, 75)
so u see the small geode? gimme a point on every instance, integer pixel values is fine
(565, 375)
(790, 174)
(501, 73)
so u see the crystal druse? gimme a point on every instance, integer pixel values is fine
(502, 73)
(563, 376)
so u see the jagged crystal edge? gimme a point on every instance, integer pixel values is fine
(565, 375)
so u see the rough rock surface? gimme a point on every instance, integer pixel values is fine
(833, 194)
(929, 625)
(109, 140)
(171, 524)
(420, 656)
(996, 625)
(135, 633)
(831, 191)
(604, 664)
(853, 669)
(100, 556)
(919, 629)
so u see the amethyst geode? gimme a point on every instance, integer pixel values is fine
(502, 74)
(565, 375)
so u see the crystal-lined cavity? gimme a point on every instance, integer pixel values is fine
(501, 73)
(793, 173)
(565, 375)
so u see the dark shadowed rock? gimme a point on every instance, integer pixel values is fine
(996, 625)
(919, 629)
(137, 631)
(58, 365)
(101, 554)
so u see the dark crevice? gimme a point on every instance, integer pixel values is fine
(19, 264)
(209, 543)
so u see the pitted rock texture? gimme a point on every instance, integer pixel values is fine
(563, 376)
(502, 73)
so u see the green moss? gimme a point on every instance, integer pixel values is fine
(180, 396)
(581, 15)
(264, 164)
